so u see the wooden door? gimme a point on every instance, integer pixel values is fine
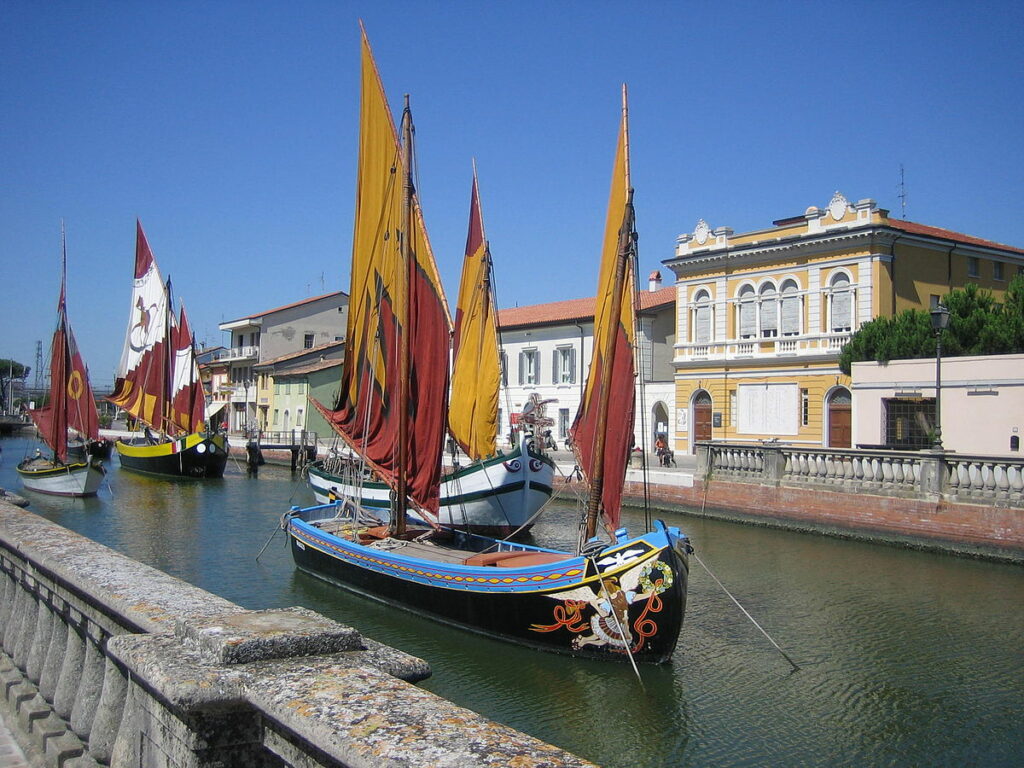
(840, 414)
(702, 417)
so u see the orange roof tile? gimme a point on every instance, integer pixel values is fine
(947, 234)
(300, 353)
(289, 306)
(574, 310)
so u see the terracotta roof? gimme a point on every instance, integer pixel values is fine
(289, 306)
(946, 234)
(317, 365)
(300, 353)
(574, 310)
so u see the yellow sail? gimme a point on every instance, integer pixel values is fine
(603, 431)
(476, 369)
(390, 298)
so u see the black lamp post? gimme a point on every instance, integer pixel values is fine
(940, 321)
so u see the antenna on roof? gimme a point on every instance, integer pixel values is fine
(902, 193)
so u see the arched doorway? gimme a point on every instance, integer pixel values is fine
(701, 416)
(659, 422)
(840, 418)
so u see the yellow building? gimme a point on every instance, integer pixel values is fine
(762, 316)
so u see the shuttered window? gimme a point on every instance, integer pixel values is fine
(842, 304)
(748, 308)
(528, 367)
(769, 311)
(702, 325)
(790, 309)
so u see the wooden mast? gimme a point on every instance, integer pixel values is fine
(398, 516)
(608, 350)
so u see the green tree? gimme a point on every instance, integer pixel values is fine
(9, 370)
(978, 325)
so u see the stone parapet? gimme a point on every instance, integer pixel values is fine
(107, 661)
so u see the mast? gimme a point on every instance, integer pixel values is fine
(62, 311)
(622, 256)
(398, 519)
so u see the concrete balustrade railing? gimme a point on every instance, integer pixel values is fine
(912, 474)
(107, 661)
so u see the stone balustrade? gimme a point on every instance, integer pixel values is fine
(909, 474)
(107, 661)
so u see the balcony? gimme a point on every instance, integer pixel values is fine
(819, 345)
(239, 353)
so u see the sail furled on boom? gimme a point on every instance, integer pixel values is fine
(71, 401)
(476, 367)
(602, 432)
(388, 298)
(141, 384)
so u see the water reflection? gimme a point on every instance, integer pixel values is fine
(906, 657)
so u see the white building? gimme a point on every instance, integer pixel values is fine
(547, 350)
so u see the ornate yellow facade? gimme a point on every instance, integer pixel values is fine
(762, 316)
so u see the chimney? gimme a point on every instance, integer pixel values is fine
(654, 281)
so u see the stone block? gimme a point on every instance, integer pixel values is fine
(241, 638)
(60, 749)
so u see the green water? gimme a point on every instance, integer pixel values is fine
(906, 658)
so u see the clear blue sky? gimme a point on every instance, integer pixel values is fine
(230, 130)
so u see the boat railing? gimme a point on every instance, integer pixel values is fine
(918, 474)
(106, 661)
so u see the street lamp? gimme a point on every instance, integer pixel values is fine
(940, 321)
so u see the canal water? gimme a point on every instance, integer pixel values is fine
(906, 658)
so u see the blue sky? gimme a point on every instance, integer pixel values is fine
(230, 130)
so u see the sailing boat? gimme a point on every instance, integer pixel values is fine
(71, 406)
(158, 384)
(497, 494)
(623, 598)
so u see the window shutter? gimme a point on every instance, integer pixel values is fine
(747, 325)
(703, 324)
(536, 367)
(790, 310)
(522, 368)
(554, 366)
(841, 304)
(572, 365)
(769, 310)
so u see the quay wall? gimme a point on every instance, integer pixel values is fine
(108, 662)
(969, 505)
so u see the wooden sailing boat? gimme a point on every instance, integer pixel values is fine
(158, 384)
(496, 494)
(71, 406)
(623, 598)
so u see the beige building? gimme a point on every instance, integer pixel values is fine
(762, 316)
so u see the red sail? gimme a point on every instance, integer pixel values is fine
(388, 298)
(71, 400)
(188, 401)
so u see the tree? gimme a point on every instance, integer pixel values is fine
(9, 370)
(978, 325)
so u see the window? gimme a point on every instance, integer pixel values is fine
(529, 368)
(563, 423)
(298, 418)
(287, 388)
(791, 313)
(747, 310)
(973, 269)
(805, 407)
(909, 422)
(841, 303)
(563, 369)
(997, 270)
(277, 417)
(702, 317)
(732, 407)
(307, 340)
(769, 311)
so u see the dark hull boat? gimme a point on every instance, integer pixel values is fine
(195, 455)
(622, 598)
(629, 595)
(158, 384)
